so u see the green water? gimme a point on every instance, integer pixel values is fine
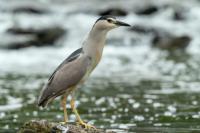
(140, 107)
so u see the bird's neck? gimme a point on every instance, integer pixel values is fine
(94, 44)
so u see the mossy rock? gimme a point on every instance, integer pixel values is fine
(43, 126)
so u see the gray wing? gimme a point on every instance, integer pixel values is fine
(71, 57)
(67, 75)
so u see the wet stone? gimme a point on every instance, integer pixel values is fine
(162, 39)
(149, 10)
(114, 12)
(31, 37)
(43, 126)
(29, 9)
(25, 7)
(9, 41)
(170, 43)
(141, 29)
(178, 16)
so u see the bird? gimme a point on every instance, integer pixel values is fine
(76, 68)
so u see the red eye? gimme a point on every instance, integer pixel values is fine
(109, 20)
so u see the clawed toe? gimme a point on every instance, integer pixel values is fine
(86, 126)
(62, 122)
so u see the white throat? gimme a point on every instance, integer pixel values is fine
(95, 42)
(93, 46)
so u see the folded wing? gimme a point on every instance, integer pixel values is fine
(67, 75)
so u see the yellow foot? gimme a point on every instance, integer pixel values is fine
(62, 122)
(85, 125)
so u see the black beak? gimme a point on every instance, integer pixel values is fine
(119, 23)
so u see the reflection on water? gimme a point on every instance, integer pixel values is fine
(136, 88)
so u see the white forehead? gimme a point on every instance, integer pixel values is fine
(110, 19)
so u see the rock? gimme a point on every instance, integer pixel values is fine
(9, 41)
(147, 10)
(114, 12)
(29, 9)
(171, 43)
(178, 16)
(37, 37)
(46, 35)
(43, 126)
(143, 29)
(162, 39)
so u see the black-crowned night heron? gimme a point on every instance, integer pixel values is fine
(74, 70)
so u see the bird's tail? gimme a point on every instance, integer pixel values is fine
(43, 100)
(42, 103)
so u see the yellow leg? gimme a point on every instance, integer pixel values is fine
(64, 101)
(80, 121)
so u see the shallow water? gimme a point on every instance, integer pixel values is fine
(143, 107)
(135, 88)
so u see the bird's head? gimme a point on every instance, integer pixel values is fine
(108, 22)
